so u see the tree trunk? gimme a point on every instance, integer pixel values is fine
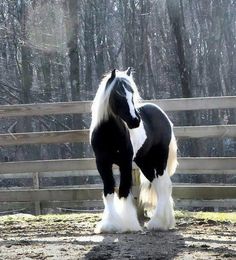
(71, 7)
(176, 18)
(30, 151)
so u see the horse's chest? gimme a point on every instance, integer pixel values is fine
(137, 137)
(112, 138)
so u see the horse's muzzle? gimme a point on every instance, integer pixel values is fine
(134, 123)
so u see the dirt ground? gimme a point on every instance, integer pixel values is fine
(71, 237)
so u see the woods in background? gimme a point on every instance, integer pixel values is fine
(52, 51)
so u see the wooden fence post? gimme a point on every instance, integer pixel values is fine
(36, 186)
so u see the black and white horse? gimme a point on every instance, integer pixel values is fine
(124, 130)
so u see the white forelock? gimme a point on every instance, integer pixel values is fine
(100, 106)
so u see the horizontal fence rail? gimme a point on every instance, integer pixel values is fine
(185, 163)
(41, 109)
(71, 136)
(79, 107)
(50, 137)
(205, 131)
(185, 191)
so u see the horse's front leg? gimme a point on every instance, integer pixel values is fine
(111, 221)
(125, 205)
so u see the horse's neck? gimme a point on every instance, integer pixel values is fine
(118, 123)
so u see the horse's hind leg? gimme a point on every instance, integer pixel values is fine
(125, 205)
(111, 221)
(163, 217)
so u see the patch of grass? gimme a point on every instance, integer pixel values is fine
(94, 217)
(91, 217)
(216, 216)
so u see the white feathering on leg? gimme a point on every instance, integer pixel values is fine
(147, 195)
(128, 214)
(163, 217)
(111, 222)
(172, 161)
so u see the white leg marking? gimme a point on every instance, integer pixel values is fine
(163, 217)
(111, 221)
(128, 214)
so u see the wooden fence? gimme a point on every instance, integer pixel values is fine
(185, 194)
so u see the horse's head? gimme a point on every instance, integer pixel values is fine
(121, 99)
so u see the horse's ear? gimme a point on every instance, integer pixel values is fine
(129, 71)
(113, 74)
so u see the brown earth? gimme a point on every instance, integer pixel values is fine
(72, 237)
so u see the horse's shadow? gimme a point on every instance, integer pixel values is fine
(139, 245)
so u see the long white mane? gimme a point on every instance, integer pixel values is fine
(100, 107)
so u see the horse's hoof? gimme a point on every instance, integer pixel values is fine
(104, 227)
(133, 228)
(157, 224)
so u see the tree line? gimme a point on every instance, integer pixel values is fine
(52, 51)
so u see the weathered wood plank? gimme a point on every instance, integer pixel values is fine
(70, 194)
(50, 137)
(179, 203)
(95, 173)
(187, 104)
(77, 107)
(40, 109)
(185, 163)
(48, 166)
(51, 194)
(55, 174)
(205, 131)
(207, 163)
(219, 203)
(83, 135)
(201, 191)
